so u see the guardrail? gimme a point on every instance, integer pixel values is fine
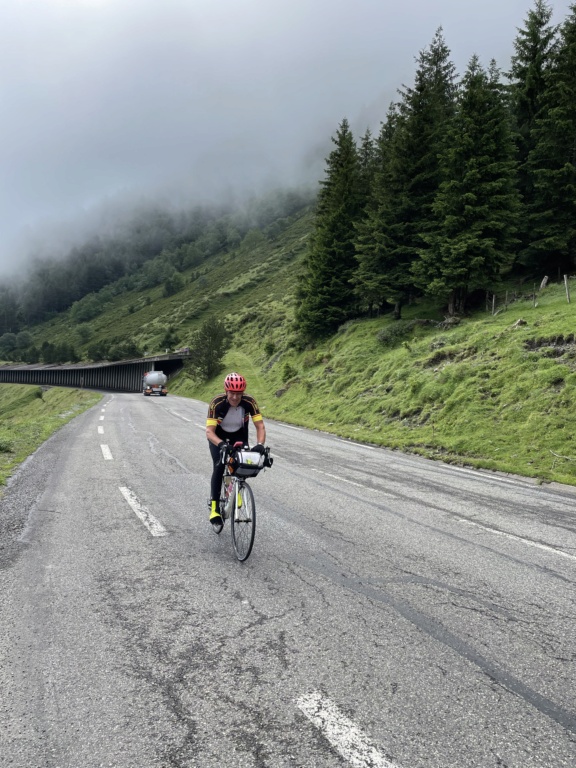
(117, 376)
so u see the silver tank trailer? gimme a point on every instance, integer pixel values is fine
(154, 382)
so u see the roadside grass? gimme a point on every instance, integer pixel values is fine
(29, 415)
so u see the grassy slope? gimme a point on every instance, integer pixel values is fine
(237, 283)
(29, 415)
(476, 393)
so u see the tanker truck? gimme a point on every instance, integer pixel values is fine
(154, 383)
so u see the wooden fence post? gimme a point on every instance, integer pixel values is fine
(567, 288)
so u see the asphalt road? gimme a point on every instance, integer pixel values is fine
(394, 613)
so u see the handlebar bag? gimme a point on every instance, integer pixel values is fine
(248, 463)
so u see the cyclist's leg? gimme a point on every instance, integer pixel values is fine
(215, 484)
(217, 472)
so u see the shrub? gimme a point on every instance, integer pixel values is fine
(288, 372)
(308, 360)
(84, 332)
(207, 348)
(173, 284)
(392, 334)
(346, 326)
(87, 308)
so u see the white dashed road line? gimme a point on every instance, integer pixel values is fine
(100, 430)
(106, 452)
(142, 513)
(352, 482)
(178, 415)
(337, 477)
(344, 735)
(358, 445)
(529, 542)
(101, 418)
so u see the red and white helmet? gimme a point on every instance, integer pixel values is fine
(234, 383)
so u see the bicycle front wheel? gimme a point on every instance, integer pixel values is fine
(243, 521)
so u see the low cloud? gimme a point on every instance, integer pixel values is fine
(109, 101)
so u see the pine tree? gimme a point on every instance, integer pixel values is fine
(477, 204)
(531, 64)
(534, 47)
(552, 163)
(407, 181)
(380, 276)
(425, 111)
(367, 166)
(325, 292)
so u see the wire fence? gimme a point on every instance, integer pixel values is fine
(496, 303)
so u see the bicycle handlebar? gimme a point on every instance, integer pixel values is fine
(228, 450)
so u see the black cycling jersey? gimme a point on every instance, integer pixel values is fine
(220, 406)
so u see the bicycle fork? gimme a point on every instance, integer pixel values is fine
(240, 516)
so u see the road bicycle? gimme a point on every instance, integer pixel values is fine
(236, 497)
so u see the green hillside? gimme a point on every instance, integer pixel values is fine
(491, 391)
(256, 277)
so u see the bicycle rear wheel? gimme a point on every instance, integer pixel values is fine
(243, 522)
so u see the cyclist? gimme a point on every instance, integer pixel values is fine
(227, 423)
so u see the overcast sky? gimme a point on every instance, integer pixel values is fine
(106, 101)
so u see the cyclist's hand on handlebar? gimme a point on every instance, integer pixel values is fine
(224, 448)
(258, 448)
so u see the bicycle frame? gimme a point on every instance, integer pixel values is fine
(233, 487)
(237, 503)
